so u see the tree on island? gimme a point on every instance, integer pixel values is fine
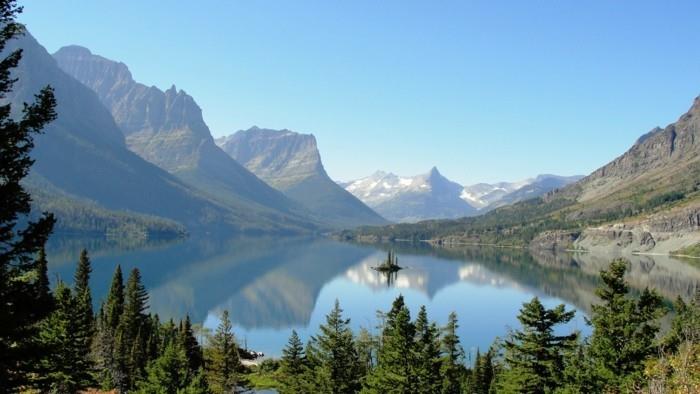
(391, 264)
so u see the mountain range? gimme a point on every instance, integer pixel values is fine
(433, 196)
(647, 199)
(166, 128)
(291, 163)
(410, 199)
(83, 156)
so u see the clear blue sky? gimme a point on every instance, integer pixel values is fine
(485, 91)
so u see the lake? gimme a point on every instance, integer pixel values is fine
(273, 285)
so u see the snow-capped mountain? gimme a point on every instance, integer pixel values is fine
(432, 196)
(411, 198)
(486, 197)
(481, 195)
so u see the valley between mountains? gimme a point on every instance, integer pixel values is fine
(131, 159)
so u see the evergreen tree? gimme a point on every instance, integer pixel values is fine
(397, 356)
(132, 330)
(623, 331)
(82, 287)
(43, 288)
(451, 369)
(21, 298)
(367, 346)
(293, 367)
(427, 368)
(85, 318)
(223, 362)
(110, 348)
(685, 326)
(65, 366)
(338, 370)
(170, 374)
(114, 306)
(193, 351)
(483, 373)
(293, 355)
(535, 355)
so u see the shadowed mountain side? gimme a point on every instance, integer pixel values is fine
(166, 128)
(83, 151)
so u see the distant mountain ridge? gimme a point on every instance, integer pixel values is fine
(506, 193)
(411, 199)
(166, 128)
(647, 199)
(432, 196)
(291, 163)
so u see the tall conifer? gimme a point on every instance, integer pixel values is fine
(223, 361)
(534, 354)
(453, 355)
(20, 304)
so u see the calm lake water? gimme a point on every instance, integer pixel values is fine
(273, 285)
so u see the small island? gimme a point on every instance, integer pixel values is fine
(391, 264)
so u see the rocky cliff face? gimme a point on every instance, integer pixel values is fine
(663, 232)
(291, 163)
(167, 129)
(664, 152)
(281, 158)
(83, 155)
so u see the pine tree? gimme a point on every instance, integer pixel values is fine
(82, 284)
(223, 361)
(396, 358)
(21, 305)
(427, 369)
(338, 370)
(170, 373)
(451, 369)
(65, 366)
(43, 288)
(85, 318)
(623, 330)
(483, 373)
(110, 349)
(293, 367)
(132, 329)
(685, 326)
(535, 355)
(114, 306)
(193, 351)
(293, 355)
(367, 347)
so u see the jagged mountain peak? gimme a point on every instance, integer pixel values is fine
(411, 198)
(167, 129)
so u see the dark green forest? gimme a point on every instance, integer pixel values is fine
(53, 341)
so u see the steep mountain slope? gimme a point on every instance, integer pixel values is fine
(167, 129)
(410, 199)
(291, 163)
(646, 199)
(83, 154)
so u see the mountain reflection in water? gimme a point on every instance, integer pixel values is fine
(271, 285)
